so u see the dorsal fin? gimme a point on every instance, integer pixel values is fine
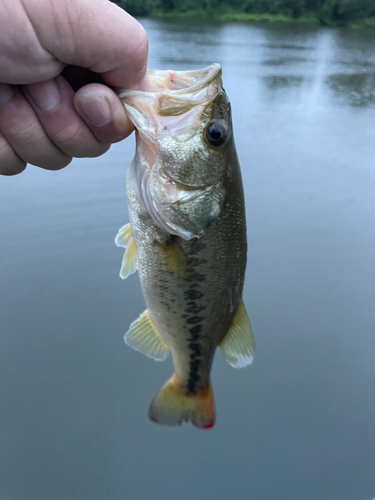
(238, 345)
(145, 337)
(125, 239)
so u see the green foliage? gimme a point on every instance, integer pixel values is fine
(136, 7)
(342, 12)
(328, 12)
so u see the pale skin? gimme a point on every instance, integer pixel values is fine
(43, 120)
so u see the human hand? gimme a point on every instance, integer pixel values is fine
(43, 44)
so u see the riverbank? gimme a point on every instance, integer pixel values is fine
(232, 15)
(227, 13)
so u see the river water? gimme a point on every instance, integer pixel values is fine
(300, 422)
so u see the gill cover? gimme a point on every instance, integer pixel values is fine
(178, 174)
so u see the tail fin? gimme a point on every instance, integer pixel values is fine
(172, 406)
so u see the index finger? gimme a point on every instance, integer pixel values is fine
(93, 34)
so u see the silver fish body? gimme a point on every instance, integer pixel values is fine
(187, 220)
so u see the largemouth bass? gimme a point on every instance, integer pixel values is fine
(186, 237)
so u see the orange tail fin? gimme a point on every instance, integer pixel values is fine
(172, 406)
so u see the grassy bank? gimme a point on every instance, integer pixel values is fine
(232, 15)
(346, 13)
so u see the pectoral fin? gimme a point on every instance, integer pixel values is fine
(238, 345)
(125, 239)
(144, 337)
(130, 260)
(123, 236)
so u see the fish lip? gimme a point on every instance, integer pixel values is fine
(210, 74)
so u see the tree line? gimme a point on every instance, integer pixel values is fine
(327, 12)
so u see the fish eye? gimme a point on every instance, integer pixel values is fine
(216, 134)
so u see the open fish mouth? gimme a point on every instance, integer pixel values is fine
(176, 83)
(173, 93)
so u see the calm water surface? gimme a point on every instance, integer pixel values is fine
(297, 425)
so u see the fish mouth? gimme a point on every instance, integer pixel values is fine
(176, 82)
(173, 93)
(182, 82)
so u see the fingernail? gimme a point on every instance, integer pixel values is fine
(46, 95)
(95, 109)
(5, 93)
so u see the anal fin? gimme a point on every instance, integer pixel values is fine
(145, 337)
(238, 345)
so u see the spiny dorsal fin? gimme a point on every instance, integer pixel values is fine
(144, 337)
(125, 239)
(173, 257)
(238, 345)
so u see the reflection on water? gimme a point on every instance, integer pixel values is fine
(282, 61)
(285, 47)
(275, 82)
(355, 89)
(298, 424)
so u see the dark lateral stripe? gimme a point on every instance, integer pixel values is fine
(192, 294)
(195, 352)
(193, 307)
(194, 332)
(194, 320)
